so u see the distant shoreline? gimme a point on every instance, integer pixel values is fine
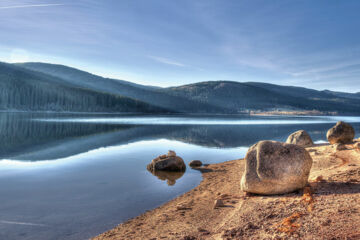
(251, 113)
(293, 113)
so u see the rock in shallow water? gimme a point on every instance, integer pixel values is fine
(341, 133)
(169, 162)
(195, 163)
(300, 138)
(275, 168)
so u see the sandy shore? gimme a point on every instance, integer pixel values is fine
(328, 209)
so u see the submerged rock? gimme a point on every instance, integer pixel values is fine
(169, 162)
(275, 168)
(300, 138)
(195, 163)
(341, 133)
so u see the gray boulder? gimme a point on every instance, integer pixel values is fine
(169, 162)
(300, 138)
(275, 168)
(341, 133)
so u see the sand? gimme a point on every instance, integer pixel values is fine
(329, 208)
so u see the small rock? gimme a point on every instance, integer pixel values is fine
(182, 207)
(357, 145)
(195, 163)
(218, 203)
(171, 153)
(223, 196)
(189, 238)
(251, 226)
(326, 223)
(202, 230)
(340, 147)
(319, 179)
(341, 133)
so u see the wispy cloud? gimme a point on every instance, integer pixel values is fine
(167, 61)
(32, 5)
(22, 223)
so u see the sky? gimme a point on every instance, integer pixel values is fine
(313, 44)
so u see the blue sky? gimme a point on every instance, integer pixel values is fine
(314, 44)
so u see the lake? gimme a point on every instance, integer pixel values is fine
(73, 176)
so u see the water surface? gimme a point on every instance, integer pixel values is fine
(66, 176)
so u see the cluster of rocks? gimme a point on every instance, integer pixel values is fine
(171, 162)
(271, 167)
(276, 168)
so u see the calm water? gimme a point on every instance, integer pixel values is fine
(74, 176)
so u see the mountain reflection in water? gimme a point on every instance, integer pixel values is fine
(26, 136)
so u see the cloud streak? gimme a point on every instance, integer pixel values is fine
(22, 223)
(32, 5)
(167, 61)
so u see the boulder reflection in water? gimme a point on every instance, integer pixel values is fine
(170, 177)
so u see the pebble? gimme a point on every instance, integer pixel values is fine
(218, 203)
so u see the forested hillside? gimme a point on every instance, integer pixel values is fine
(22, 89)
(43, 86)
(153, 95)
(237, 97)
(344, 94)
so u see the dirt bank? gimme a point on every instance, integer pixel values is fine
(328, 209)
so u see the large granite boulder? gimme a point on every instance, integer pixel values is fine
(169, 162)
(275, 168)
(300, 138)
(341, 133)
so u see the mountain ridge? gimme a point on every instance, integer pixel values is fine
(23, 89)
(225, 97)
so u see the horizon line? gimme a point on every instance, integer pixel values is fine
(151, 85)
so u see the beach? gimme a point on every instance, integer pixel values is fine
(328, 208)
